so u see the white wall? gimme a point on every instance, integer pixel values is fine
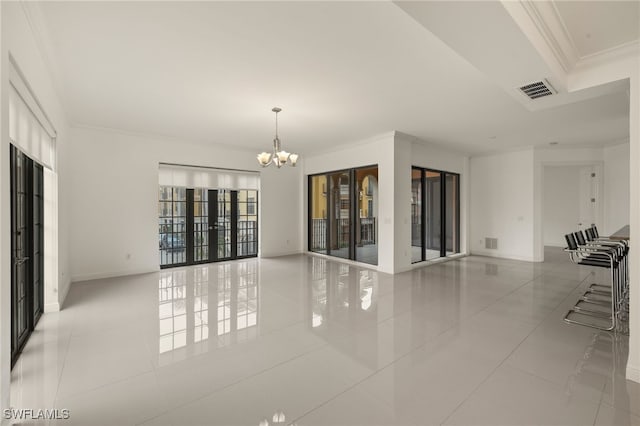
(115, 202)
(19, 39)
(633, 363)
(616, 188)
(561, 208)
(502, 204)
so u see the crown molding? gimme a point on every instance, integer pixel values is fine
(552, 29)
(162, 138)
(621, 52)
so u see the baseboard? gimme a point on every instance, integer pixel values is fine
(280, 254)
(62, 296)
(52, 307)
(633, 372)
(346, 261)
(502, 255)
(434, 261)
(103, 275)
(554, 244)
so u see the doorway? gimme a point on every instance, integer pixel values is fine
(200, 225)
(570, 200)
(27, 248)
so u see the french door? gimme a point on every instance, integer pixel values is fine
(199, 225)
(27, 248)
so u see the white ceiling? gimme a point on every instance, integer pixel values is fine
(595, 26)
(211, 72)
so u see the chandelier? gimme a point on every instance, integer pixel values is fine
(279, 156)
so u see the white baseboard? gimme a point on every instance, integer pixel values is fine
(62, 296)
(51, 307)
(114, 274)
(343, 260)
(434, 261)
(502, 255)
(561, 244)
(280, 254)
(633, 372)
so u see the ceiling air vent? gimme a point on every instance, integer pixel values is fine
(538, 89)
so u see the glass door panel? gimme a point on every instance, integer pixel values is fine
(20, 253)
(340, 213)
(452, 210)
(223, 224)
(200, 225)
(318, 214)
(433, 227)
(366, 215)
(247, 235)
(416, 216)
(38, 241)
(172, 216)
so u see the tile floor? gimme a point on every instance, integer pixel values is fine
(476, 341)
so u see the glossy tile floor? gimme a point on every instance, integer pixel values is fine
(476, 341)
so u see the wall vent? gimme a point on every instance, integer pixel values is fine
(537, 89)
(491, 243)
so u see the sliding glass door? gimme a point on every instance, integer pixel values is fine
(199, 225)
(343, 207)
(435, 214)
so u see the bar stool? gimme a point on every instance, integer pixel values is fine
(623, 249)
(602, 256)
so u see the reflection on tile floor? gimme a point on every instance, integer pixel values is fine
(311, 341)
